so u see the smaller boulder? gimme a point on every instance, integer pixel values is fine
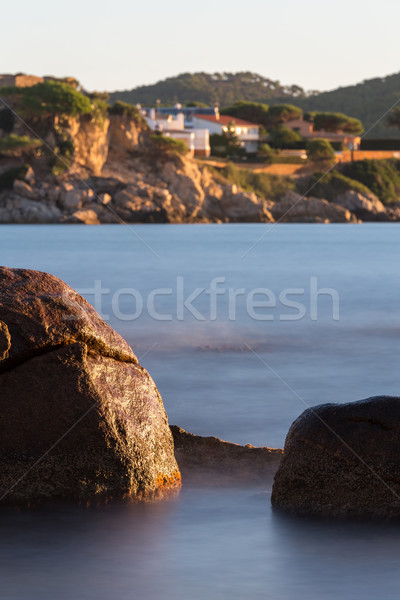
(342, 460)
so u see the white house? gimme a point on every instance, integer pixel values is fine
(248, 133)
(197, 139)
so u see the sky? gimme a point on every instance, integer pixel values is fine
(120, 44)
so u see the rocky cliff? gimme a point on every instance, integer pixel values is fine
(104, 166)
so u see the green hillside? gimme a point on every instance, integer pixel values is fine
(209, 88)
(366, 101)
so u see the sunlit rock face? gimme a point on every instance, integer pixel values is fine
(342, 460)
(80, 418)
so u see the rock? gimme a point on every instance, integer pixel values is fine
(84, 216)
(14, 209)
(365, 207)
(30, 176)
(293, 207)
(5, 341)
(90, 138)
(25, 190)
(211, 461)
(80, 419)
(184, 180)
(342, 460)
(71, 200)
(105, 198)
(237, 207)
(125, 134)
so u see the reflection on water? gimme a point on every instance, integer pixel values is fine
(223, 543)
(206, 544)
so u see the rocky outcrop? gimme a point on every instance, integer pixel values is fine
(293, 207)
(367, 207)
(228, 204)
(211, 461)
(341, 460)
(90, 139)
(80, 418)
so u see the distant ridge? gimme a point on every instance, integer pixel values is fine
(367, 100)
(209, 88)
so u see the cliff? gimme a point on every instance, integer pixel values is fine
(69, 158)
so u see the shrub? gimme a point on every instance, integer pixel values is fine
(126, 110)
(319, 149)
(166, 146)
(265, 153)
(283, 137)
(266, 185)
(13, 143)
(50, 98)
(330, 185)
(382, 177)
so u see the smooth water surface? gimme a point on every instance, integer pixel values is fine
(237, 376)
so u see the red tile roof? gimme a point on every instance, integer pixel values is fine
(225, 120)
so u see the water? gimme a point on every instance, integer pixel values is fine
(239, 378)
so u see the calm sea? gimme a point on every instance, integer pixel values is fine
(242, 327)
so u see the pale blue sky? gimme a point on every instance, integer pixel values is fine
(118, 44)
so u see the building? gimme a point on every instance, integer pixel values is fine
(306, 130)
(247, 133)
(172, 124)
(19, 80)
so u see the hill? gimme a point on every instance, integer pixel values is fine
(366, 101)
(209, 88)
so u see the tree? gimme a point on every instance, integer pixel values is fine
(280, 113)
(255, 112)
(319, 149)
(394, 117)
(334, 122)
(265, 153)
(227, 143)
(283, 137)
(50, 98)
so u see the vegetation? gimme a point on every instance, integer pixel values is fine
(50, 98)
(63, 153)
(225, 88)
(283, 137)
(319, 149)
(7, 179)
(367, 101)
(255, 112)
(335, 122)
(382, 177)
(270, 187)
(280, 113)
(265, 153)
(227, 143)
(162, 146)
(330, 185)
(394, 117)
(14, 143)
(7, 120)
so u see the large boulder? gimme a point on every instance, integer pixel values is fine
(293, 207)
(80, 418)
(14, 209)
(342, 460)
(236, 206)
(365, 206)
